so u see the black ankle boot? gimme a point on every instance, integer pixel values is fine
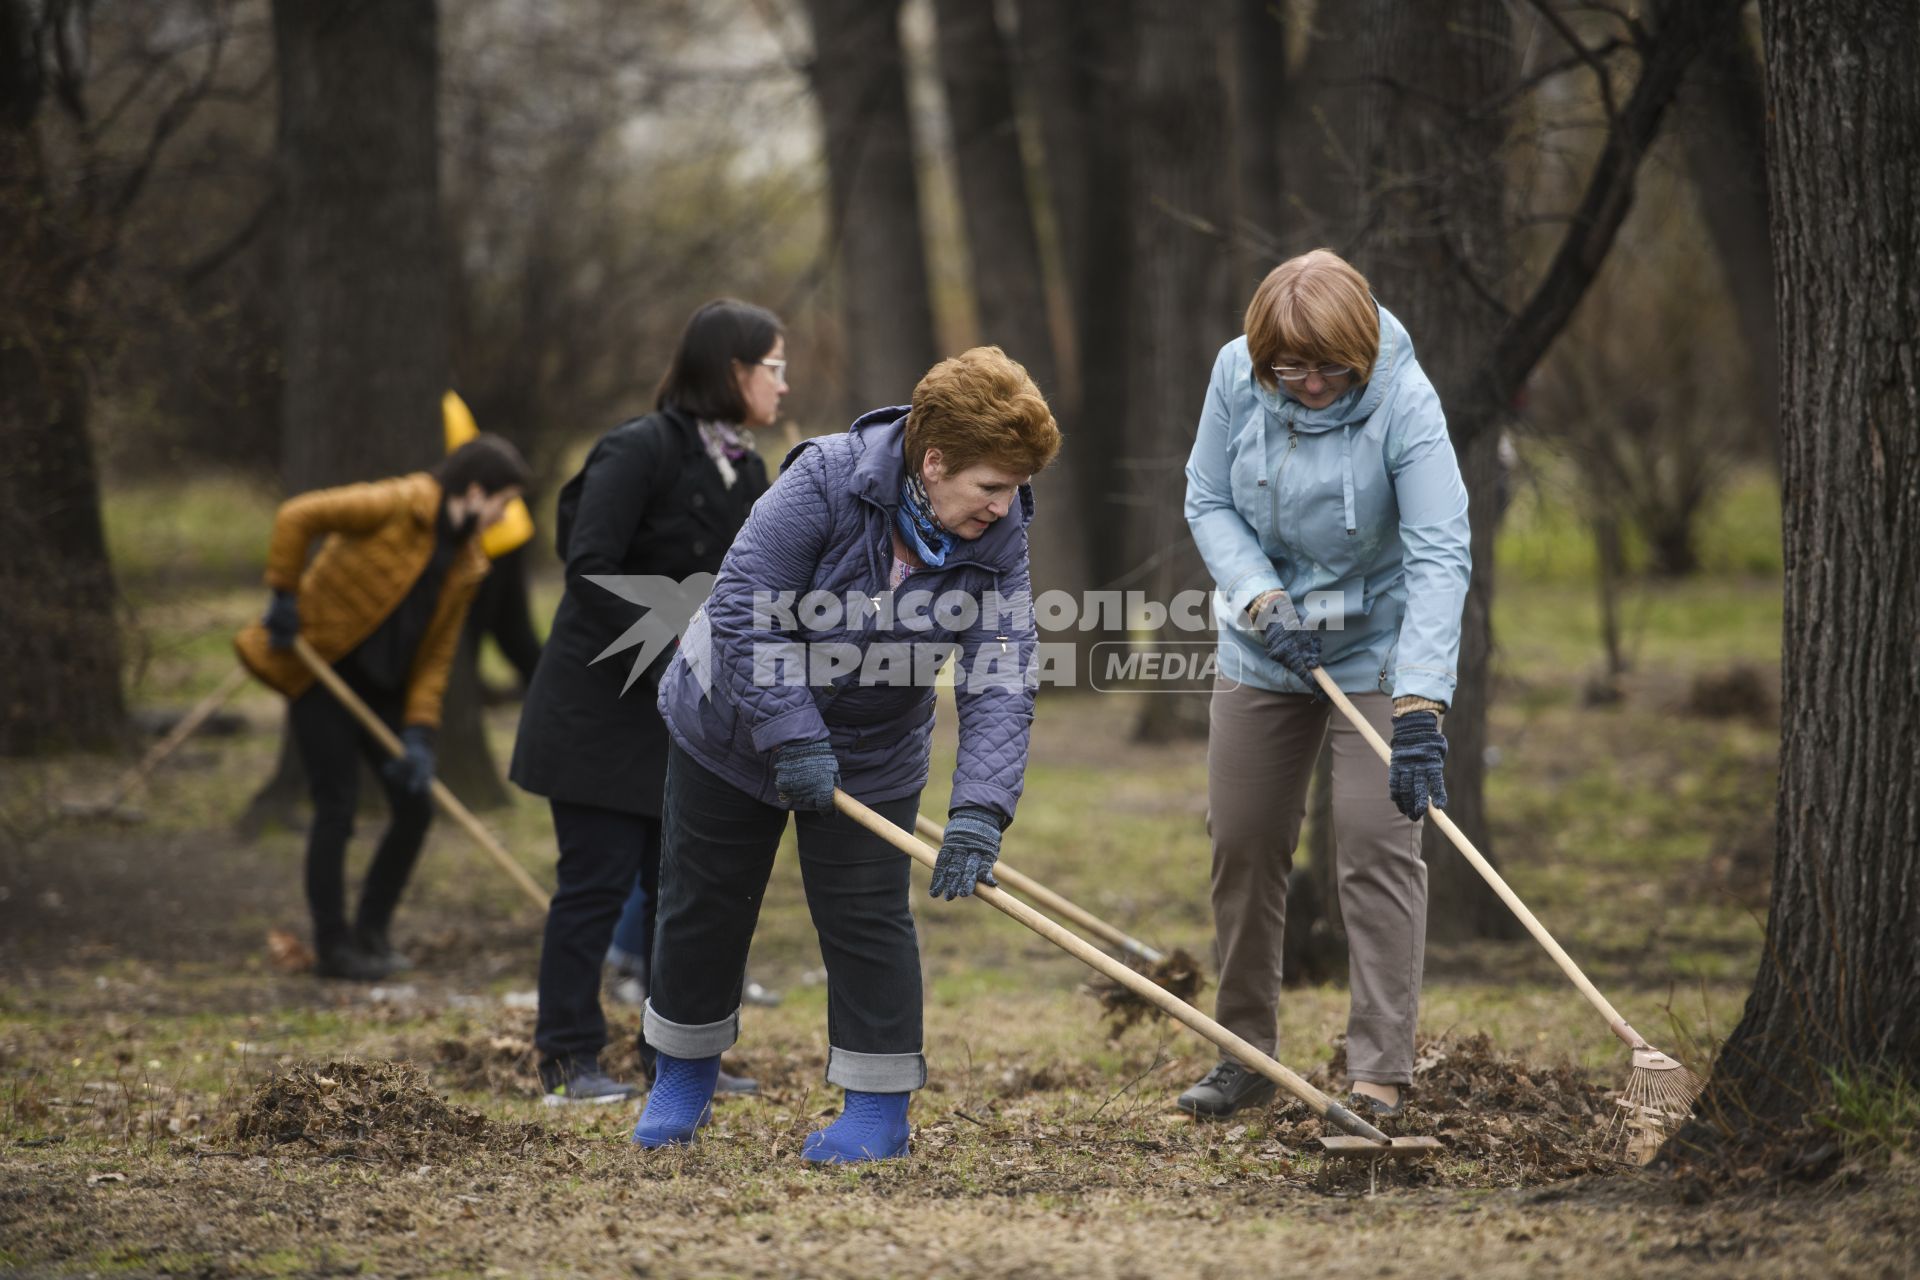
(375, 942)
(346, 961)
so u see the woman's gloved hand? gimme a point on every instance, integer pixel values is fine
(1416, 774)
(967, 854)
(1288, 640)
(805, 774)
(413, 770)
(282, 620)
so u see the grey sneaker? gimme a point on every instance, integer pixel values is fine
(1228, 1088)
(729, 1085)
(581, 1082)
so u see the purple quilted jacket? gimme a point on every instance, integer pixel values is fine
(820, 544)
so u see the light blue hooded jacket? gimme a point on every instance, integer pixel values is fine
(1356, 510)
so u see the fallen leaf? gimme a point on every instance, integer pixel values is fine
(287, 952)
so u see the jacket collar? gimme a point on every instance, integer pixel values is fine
(879, 466)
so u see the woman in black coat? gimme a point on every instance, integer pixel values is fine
(660, 497)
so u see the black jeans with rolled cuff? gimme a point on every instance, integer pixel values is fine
(717, 851)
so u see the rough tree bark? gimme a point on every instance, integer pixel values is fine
(1838, 989)
(859, 81)
(367, 324)
(59, 639)
(1181, 301)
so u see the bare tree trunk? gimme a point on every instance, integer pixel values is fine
(998, 214)
(1108, 331)
(1610, 560)
(1181, 301)
(367, 329)
(1436, 255)
(59, 639)
(1726, 133)
(1259, 112)
(1837, 989)
(1323, 148)
(859, 80)
(1059, 43)
(1008, 281)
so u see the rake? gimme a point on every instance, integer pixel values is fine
(1365, 1141)
(136, 776)
(1660, 1091)
(1029, 887)
(323, 672)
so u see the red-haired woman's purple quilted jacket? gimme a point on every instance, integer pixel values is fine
(802, 638)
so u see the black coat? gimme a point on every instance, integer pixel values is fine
(648, 501)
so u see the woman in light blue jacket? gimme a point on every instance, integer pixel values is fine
(1326, 501)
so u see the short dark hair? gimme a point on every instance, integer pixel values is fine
(487, 460)
(700, 380)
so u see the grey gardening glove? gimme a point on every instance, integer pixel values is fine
(1288, 640)
(967, 854)
(1416, 774)
(282, 620)
(805, 774)
(413, 770)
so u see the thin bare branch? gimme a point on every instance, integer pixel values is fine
(1527, 84)
(1553, 18)
(1684, 29)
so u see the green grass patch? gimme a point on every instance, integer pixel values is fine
(1876, 1113)
(205, 527)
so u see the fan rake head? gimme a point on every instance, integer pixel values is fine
(1657, 1100)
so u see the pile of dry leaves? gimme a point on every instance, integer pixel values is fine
(1521, 1123)
(377, 1111)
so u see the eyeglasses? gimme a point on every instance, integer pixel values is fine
(779, 368)
(1293, 373)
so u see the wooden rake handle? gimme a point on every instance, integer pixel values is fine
(1027, 885)
(202, 711)
(1479, 863)
(1094, 958)
(325, 673)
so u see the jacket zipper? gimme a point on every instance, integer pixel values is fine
(1293, 442)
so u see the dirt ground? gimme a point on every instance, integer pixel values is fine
(172, 1102)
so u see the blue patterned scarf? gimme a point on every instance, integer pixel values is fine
(919, 527)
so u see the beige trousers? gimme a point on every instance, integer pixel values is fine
(1261, 750)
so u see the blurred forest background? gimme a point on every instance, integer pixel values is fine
(247, 245)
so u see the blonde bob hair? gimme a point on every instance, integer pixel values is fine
(980, 406)
(1317, 309)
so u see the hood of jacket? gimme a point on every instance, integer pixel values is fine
(1351, 409)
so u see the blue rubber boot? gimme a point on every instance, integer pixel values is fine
(680, 1101)
(872, 1126)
